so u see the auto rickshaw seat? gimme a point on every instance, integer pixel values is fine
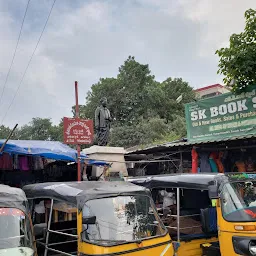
(209, 220)
(191, 237)
(61, 225)
(40, 229)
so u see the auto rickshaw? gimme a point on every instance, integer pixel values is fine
(16, 236)
(98, 218)
(223, 205)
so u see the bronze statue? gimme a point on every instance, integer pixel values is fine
(102, 122)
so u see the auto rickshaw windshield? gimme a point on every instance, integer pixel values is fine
(121, 219)
(238, 201)
(15, 236)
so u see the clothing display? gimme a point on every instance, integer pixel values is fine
(194, 161)
(241, 160)
(204, 162)
(38, 163)
(250, 167)
(219, 163)
(15, 162)
(6, 162)
(23, 162)
(212, 162)
(240, 165)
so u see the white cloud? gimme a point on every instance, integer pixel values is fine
(218, 20)
(86, 40)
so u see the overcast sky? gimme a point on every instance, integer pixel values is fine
(86, 40)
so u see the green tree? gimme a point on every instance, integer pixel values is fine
(24, 133)
(106, 87)
(41, 129)
(238, 61)
(128, 94)
(165, 101)
(135, 86)
(4, 132)
(152, 131)
(144, 111)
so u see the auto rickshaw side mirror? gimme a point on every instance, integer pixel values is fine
(90, 220)
(213, 192)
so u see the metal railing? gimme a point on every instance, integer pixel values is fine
(48, 245)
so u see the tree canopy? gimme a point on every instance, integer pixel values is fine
(37, 129)
(144, 110)
(238, 61)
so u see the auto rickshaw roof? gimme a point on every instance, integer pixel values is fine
(13, 198)
(77, 193)
(184, 180)
(189, 180)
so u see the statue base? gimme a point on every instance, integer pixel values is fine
(112, 155)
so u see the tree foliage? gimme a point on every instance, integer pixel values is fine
(37, 129)
(238, 61)
(4, 132)
(143, 109)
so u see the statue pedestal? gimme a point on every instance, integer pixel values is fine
(114, 155)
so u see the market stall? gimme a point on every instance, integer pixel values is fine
(221, 137)
(27, 161)
(222, 131)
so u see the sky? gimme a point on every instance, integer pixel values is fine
(86, 40)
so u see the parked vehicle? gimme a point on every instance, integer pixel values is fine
(16, 236)
(223, 205)
(104, 218)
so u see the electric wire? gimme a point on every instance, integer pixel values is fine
(14, 54)
(31, 57)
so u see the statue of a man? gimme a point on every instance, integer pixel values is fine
(102, 122)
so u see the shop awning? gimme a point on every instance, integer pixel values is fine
(177, 144)
(49, 149)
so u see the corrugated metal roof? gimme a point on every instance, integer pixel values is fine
(249, 136)
(188, 143)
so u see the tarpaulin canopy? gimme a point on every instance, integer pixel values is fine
(96, 162)
(48, 149)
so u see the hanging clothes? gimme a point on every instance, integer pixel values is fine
(23, 163)
(250, 165)
(194, 161)
(38, 163)
(226, 161)
(240, 165)
(218, 161)
(6, 162)
(15, 162)
(31, 163)
(204, 162)
(212, 162)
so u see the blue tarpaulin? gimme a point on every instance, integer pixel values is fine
(47, 149)
(98, 163)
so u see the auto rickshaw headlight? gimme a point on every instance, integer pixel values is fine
(252, 247)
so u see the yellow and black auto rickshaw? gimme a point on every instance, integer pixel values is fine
(16, 236)
(219, 211)
(98, 218)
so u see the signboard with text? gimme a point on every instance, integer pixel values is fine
(223, 116)
(78, 131)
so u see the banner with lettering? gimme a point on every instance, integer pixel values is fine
(224, 116)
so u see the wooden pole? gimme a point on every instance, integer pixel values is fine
(78, 146)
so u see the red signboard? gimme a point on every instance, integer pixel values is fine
(78, 131)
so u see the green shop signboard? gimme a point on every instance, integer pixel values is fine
(223, 116)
